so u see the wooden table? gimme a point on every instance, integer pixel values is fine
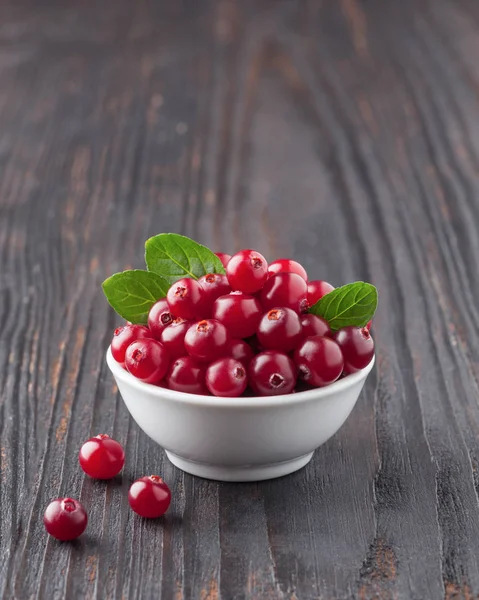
(345, 134)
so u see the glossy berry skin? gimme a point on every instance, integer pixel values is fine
(279, 329)
(149, 497)
(65, 519)
(317, 289)
(206, 340)
(247, 271)
(319, 361)
(147, 360)
(185, 298)
(314, 325)
(224, 258)
(159, 317)
(173, 338)
(285, 289)
(240, 350)
(124, 336)
(226, 377)
(369, 325)
(272, 373)
(214, 285)
(101, 457)
(240, 314)
(357, 347)
(187, 375)
(285, 265)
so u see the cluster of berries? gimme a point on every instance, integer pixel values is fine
(245, 332)
(101, 457)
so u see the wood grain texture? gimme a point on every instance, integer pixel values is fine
(345, 134)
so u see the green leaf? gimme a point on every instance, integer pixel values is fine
(175, 256)
(350, 305)
(133, 293)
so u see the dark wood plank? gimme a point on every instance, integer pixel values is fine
(344, 134)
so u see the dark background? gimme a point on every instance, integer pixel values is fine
(344, 134)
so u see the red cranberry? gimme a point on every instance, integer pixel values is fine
(271, 373)
(279, 329)
(357, 347)
(319, 360)
(187, 375)
(239, 313)
(206, 340)
(285, 265)
(101, 457)
(239, 350)
(149, 497)
(147, 360)
(226, 377)
(314, 325)
(173, 337)
(318, 289)
(124, 336)
(185, 298)
(214, 286)
(247, 271)
(285, 289)
(65, 519)
(224, 258)
(159, 317)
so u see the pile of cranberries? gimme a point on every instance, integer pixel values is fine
(248, 331)
(101, 457)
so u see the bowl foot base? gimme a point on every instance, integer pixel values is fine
(242, 473)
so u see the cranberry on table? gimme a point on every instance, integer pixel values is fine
(285, 265)
(357, 347)
(185, 298)
(314, 325)
(279, 329)
(124, 336)
(65, 519)
(159, 317)
(147, 360)
(319, 361)
(272, 373)
(247, 271)
(240, 313)
(149, 497)
(239, 350)
(224, 258)
(285, 289)
(187, 375)
(317, 289)
(101, 457)
(206, 340)
(226, 377)
(173, 337)
(214, 285)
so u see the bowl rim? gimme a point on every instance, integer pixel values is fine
(249, 401)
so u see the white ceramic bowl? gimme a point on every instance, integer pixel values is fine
(239, 439)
